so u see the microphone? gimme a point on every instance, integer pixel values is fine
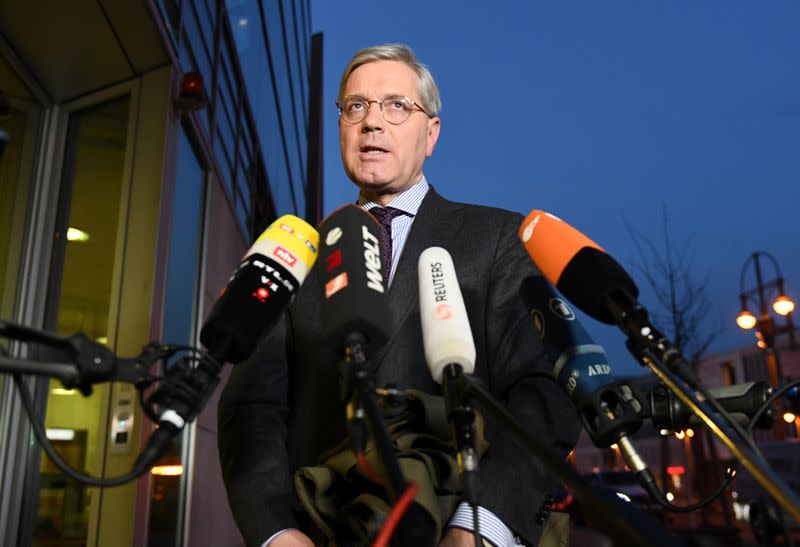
(260, 289)
(355, 316)
(741, 401)
(355, 310)
(445, 327)
(596, 283)
(608, 408)
(450, 353)
(354, 294)
(578, 267)
(257, 293)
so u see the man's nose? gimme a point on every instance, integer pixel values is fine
(374, 119)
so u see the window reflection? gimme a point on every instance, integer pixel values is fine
(255, 68)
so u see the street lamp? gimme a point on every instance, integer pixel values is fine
(766, 329)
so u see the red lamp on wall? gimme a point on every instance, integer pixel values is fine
(191, 94)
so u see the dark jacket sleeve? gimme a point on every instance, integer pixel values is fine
(514, 484)
(252, 415)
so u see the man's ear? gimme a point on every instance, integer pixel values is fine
(434, 125)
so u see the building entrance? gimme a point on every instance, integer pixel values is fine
(83, 296)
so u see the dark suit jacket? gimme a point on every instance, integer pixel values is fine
(281, 408)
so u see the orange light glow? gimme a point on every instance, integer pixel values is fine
(676, 470)
(789, 417)
(167, 470)
(746, 320)
(690, 433)
(782, 305)
(680, 435)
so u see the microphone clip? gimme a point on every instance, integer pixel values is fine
(610, 412)
(77, 361)
(461, 416)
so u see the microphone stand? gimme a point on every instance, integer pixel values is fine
(417, 529)
(658, 354)
(182, 394)
(462, 424)
(626, 524)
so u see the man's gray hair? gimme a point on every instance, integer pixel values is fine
(428, 91)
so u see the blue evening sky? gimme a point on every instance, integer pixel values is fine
(599, 111)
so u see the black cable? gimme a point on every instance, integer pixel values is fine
(476, 526)
(41, 436)
(145, 460)
(730, 473)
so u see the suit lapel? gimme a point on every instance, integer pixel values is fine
(434, 224)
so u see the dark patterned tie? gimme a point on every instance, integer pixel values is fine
(385, 216)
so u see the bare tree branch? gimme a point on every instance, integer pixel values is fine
(683, 305)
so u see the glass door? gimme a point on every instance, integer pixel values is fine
(83, 297)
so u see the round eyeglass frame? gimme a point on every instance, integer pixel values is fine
(368, 103)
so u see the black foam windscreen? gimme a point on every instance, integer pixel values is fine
(257, 294)
(352, 280)
(260, 289)
(588, 280)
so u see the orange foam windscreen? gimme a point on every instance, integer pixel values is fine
(552, 243)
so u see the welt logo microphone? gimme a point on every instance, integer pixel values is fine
(351, 276)
(260, 288)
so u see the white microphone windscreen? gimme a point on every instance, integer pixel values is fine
(445, 326)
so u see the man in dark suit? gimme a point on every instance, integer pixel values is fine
(280, 410)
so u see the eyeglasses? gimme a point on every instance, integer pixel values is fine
(354, 108)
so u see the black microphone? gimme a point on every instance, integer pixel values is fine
(354, 293)
(450, 353)
(608, 408)
(260, 289)
(257, 293)
(355, 316)
(741, 401)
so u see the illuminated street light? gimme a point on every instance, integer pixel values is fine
(789, 417)
(783, 305)
(766, 329)
(746, 320)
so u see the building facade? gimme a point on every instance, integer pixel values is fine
(148, 143)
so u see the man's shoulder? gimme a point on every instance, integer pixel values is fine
(483, 211)
(489, 220)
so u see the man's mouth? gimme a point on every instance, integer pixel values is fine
(372, 150)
